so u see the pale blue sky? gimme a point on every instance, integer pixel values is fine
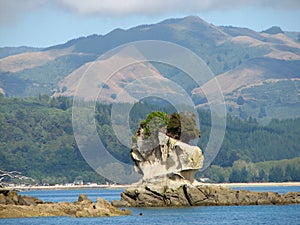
(49, 24)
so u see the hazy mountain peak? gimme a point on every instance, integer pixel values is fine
(194, 19)
(273, 30)
(191, 21)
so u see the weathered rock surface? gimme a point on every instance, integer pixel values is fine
(12, 197)
(12, 205)
(161, 157)
(200, 195)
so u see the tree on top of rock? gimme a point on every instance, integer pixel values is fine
(189, 129)
(180, 126)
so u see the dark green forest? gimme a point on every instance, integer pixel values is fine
(36, 139)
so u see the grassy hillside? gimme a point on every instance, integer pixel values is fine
(272, 99)
(42, 79)
(7, 51)
(241, 58)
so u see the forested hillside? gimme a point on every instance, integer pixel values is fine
(36, 138)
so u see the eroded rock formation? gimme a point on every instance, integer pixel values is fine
(12, 205)
(200, 195)
(168, 167)
(161, 157)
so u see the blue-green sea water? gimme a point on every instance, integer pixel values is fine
(270, 214)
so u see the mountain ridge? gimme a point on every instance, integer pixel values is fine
(225, 49)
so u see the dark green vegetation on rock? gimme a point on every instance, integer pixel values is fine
(180, 126)
(13, 205)
(37, 140)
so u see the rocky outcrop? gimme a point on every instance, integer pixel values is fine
(161, 157)
(200, 195)
(13, 198)
(12, 205)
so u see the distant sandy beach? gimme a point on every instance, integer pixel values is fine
(267, 184)
(68, 187)
(79, 187)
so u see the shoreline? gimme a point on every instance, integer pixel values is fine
(111, 187)
(67, 187)
(264, 184)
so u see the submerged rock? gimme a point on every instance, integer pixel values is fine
(12, 205)
(200, 195)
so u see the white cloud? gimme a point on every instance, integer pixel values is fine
(150, 7)
(13, 9)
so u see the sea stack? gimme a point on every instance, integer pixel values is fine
(168, 166)
(160, 148)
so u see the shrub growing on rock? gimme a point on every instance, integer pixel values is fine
(180, 126)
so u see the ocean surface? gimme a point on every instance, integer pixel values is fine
(270, 214)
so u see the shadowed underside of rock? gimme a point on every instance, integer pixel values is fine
(201, 195)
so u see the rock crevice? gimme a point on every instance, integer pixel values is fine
(161, 157)
(200, 195)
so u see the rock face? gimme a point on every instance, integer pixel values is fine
(200, 195)
(161, 157)
(13, 205)
(13, 198)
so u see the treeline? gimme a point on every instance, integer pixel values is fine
(242, 171)
(36, 138)
(251, 141)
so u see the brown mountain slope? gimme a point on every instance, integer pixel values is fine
(241, 58)
(29, 60)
